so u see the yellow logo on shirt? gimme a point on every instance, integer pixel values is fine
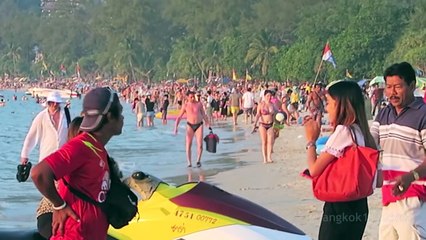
(94, 149)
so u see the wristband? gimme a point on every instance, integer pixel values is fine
(310, 144)
(64, 205)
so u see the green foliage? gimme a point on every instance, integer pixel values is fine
(260, 52)
(160, 39)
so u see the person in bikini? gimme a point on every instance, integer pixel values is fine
(194, 116)
(266, 113)
(315, 103)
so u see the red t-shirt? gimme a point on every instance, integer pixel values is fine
(83, 163)
(424, 97)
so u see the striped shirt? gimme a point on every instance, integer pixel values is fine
(403, 141)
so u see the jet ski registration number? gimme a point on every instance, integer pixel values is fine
(197, 217)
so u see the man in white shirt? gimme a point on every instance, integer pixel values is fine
(49, 129)
(248, 104)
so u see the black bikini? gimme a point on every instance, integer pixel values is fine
(195, 126)
(266, 125)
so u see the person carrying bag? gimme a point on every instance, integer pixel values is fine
(345, 171)
(120, 205)
(349, 177)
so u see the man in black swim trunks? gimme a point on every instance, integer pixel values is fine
(195, 115)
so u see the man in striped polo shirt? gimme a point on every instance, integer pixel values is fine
(400, 130)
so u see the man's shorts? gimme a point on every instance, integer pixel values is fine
(235, 110)
(248, 111)
(164, 115)
(140, 117)
(403, 219)
(150, 114)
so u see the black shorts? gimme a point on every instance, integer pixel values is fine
(44, 225)
(164, 114)
(248, 111)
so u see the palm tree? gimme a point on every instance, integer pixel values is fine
(212, 60)
(14, 55)
(260, 51)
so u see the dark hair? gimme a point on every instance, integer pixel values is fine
(267, 91)
(115, 110)
(318, 85)
(403, 70)
(189, 93)
(350, 108)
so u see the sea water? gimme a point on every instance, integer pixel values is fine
(156, 151)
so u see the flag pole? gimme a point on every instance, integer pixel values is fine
(319, 68)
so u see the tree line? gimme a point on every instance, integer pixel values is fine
(166, 39)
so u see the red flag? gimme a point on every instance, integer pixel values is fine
(327, 55)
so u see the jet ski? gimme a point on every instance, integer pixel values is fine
(191, 211)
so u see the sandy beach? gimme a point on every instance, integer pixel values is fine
(280, 188)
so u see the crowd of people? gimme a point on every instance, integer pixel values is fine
(398, 130)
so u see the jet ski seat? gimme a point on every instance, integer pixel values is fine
(145, 185)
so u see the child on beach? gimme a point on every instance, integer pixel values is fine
(346, 108)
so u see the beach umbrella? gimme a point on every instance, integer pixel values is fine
(226, 80)
(182, 80)
(378, 80)
(362, 82)
(421, 82)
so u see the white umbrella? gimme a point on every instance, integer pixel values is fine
(378, 80)
(421, 82)
(362, 82)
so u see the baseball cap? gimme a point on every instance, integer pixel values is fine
(96, 104)
(54, 97)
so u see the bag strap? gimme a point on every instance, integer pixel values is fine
(83, 196)
(80, 195)
(353, 136)
(67, 115)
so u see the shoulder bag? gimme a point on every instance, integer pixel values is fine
(349, 177)
(120, 205)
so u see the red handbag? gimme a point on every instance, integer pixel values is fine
(349, 177)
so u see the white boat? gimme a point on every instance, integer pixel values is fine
(44, 92)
